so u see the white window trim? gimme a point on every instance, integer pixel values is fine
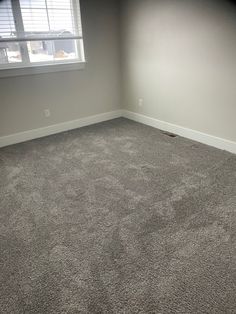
(22, 68)
(42, 68)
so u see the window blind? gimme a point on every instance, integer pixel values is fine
(7, 25)
(33, 20)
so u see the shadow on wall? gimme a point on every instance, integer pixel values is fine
(232, 1)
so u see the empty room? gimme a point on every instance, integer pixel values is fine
(117, 156)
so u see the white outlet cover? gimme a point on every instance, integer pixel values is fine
(140, 102)
(47, 113)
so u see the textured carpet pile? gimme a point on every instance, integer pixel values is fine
(117, 218)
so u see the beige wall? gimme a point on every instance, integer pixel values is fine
(69, 95)
(180, 57)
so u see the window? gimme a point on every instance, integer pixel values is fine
(36, 33)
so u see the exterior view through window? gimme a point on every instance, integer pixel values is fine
(40, 32)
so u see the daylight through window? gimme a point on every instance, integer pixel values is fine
(40, 32)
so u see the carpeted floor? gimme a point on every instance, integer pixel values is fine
(117, 218)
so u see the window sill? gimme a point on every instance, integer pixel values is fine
(39, 69)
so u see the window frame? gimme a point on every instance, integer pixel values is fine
(26, 67)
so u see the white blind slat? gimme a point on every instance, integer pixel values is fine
(41, 19)
(7, 25)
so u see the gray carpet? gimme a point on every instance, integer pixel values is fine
(117, 218)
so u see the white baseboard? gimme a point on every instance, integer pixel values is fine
(162, 125)
(204, 138)
(57, 128)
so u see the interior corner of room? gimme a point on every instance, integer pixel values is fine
(171, 64)
(120, 193)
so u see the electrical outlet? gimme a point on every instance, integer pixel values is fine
(140, 102)
(47, 113)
